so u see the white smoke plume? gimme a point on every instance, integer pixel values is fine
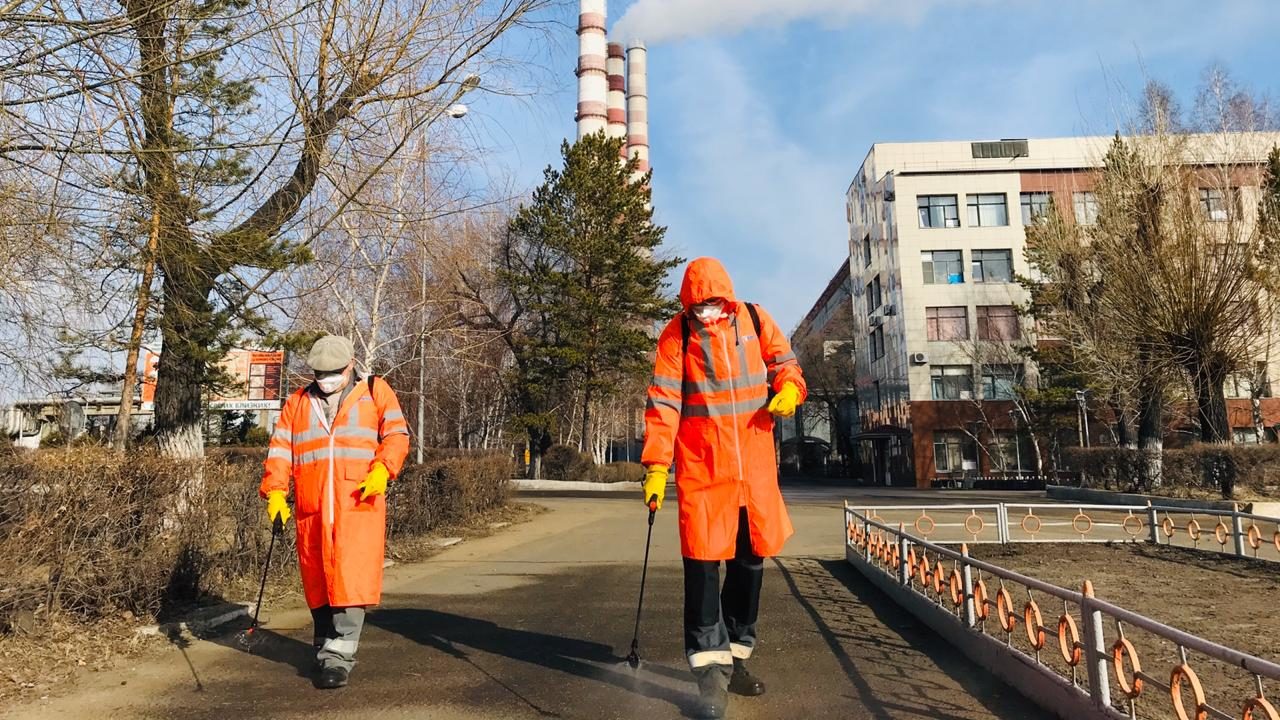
(656, 21)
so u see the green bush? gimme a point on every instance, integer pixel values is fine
(562, 462)
(1106, 468)
(619, 472)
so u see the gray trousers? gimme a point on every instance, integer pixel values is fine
(337, 635)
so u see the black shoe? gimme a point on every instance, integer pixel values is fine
(743, 682)
(331, 678)
(713, 691)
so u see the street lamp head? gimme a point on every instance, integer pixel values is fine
(1080, 396)
(457, 111)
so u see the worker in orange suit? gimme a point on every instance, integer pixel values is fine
(339, 440)
(723, 370)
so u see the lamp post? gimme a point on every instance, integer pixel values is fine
(456, 111)
(1083, 423)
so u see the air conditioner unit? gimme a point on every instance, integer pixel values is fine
(890, 310)
(919, 359)
(889, 196)
(875, 321)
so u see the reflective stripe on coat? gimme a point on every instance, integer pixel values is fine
(708, 412)
(341, 540)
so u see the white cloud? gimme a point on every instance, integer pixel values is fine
(658, 21)
(745, 190)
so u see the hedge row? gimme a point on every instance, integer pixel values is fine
(561, 462)
(89, 532)
(1230, 471)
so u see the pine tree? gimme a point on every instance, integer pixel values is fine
(582, 262)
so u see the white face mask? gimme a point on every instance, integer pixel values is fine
(330, 384)
(708, 313)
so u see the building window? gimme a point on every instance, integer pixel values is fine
(866, 250)
(947, 323)
(988, 210)
(1000, 382)
(1086, 207)
(997, 322)
(938, 211)
(942, 267)
(992, 266)
(875, 344)
(953, 451)
(1035, 205)
(874, 295)
(1220, 204)
(951, 382)
(879, 400)
(1010, 452)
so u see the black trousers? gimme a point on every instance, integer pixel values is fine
(720, 623)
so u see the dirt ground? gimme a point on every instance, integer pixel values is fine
(1228, 600)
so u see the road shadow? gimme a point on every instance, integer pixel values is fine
(457, 635)
(893, 662)
(268, 645)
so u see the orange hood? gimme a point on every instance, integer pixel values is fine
(705, 278)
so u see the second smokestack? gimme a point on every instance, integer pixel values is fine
(638, 104)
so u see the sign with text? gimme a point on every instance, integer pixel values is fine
(256, 375)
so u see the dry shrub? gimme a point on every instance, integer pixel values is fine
(446, 491)
(619, 472)
(1228, 471)
(88, 533)
(562, 462)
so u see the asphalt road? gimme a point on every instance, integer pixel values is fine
(535, 623)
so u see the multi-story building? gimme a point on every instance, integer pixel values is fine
(936, 235)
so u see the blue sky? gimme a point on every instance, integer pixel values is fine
(756, 132)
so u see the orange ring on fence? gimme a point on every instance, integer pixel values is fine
(925, 518)
(980, 600)
(1028, 530)
(895, 556)
(1004, 608)
(1075, 523)
(1220, 533)
(1121, 648)
(1260, 703)
(1035, 624)
(912, 562)
(957, 588)
(970, 530)
(1255, 537)
(1275, 540)
(1193, 529)
(1167, 526)
(1135, 532)
(939, 576)
(1069, 640)
(1180, 673)
(925, 573)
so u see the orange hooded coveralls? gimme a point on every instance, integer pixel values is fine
(341, 539)
(708, 409)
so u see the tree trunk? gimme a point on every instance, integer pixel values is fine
(586, 445)
(1151, 433)
(1124, 426)
(1211, 406)
(125, 415)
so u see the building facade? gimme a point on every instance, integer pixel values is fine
(936, 237)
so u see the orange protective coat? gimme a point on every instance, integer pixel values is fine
(708, 411)
(340, 538)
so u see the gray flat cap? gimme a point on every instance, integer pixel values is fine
(330, 354)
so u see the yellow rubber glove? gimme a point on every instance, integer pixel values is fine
(375, 483)
(277, 507)
(785, 402)
(655, 485)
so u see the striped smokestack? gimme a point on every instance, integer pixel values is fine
(617, 104)
(592, 85)
(638, 104)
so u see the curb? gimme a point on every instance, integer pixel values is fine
(573, 486)
(199, 626)
(1110, 497)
